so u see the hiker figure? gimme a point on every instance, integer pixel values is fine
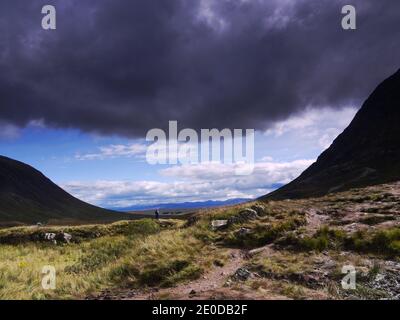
(157, 213)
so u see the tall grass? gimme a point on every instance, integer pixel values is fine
(139, 255)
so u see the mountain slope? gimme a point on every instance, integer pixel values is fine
(366, 153)
(27, 196)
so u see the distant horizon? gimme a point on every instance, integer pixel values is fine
(182, 205)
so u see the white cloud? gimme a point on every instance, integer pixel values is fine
(291, 124)
(114, 151)
(301, 137)
(322, 125)
(208, 15)
(327, 138)
(128, 193)
(271, 172)
(200, 182)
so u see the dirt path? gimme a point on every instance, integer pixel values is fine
(202, 287)
(212, 284)
(315, 220)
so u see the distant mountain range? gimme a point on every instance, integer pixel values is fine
(366, 153)
(27, 196)
(184, 205)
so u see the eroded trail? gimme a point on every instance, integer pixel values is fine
(202, 287)
(214, 284)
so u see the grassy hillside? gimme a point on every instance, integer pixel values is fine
(133, 254)
(289, 249)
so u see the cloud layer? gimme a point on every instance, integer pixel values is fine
(302, 136)
(192, 183)
(123, 67)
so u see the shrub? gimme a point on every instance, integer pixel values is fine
(372, 220)
(156, 274)
(323, 239)
(99, 254)
(382, 242)
(262, 234)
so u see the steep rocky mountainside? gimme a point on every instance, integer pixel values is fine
(366, 153)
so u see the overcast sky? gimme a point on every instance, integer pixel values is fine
(112, 70)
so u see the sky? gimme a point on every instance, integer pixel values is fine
(113, 172)
(76, 102)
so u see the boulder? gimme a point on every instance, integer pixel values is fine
(259, 209)
(242, 232)
(64, 237)
(219, 224)
(51, 237)
(243, 216)
(242, 274)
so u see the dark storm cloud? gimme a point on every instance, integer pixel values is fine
(123, 67)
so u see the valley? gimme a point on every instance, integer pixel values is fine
(290, 249)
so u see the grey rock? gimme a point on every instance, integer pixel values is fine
(49, 236)
(219, 224)
(63, 237)
(259, 209)
(192, 292)
(242, 274)
(242, 232)
(243, 216)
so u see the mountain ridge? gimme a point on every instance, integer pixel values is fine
(28, 196)
(365, 153)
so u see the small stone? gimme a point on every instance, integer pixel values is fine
(192, 292)
(379, 277)
(242, 274)
(228, 283)
(218, 263)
